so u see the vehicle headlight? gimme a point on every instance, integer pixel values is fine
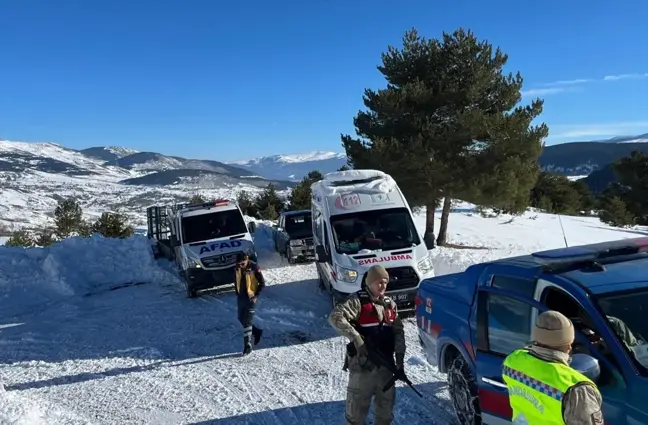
(425, 265)
(346, 275)
(296, 242)
(193, 263)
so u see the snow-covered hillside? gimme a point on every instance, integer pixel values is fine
(293, 167)
(95, 331)
(34, 176)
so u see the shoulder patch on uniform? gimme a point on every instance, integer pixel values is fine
(597, 418)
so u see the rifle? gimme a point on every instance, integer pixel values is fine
(378, 358)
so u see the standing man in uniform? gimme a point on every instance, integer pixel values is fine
(542, 387)
(248, 283)
(369, 315)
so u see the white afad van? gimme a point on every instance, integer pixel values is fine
(361, 218)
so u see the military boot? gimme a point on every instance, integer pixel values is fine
(256, 334)
(247, 346)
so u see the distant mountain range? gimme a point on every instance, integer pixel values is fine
(34, 175)
(293, 167)
(571, 159)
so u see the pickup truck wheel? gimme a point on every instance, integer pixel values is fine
(463, 392)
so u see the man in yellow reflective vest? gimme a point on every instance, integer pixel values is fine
(248, 284)
(543, 389)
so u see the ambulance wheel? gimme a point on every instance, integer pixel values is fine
(191, 293)
(320, 281)
(463, 391)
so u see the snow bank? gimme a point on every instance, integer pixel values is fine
(18, 410)
(508, 236)
(74, 266)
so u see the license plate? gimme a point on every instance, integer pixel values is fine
(402, 297)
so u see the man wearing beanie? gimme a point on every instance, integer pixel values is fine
(542, 387)
(369, 315)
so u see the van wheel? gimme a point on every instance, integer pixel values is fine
(463, 392)
(191, 293)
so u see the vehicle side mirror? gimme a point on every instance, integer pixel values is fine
(174, 241)
(322, 256)
(252, 226)
(587, 365)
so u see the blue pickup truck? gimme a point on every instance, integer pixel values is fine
(469, 322)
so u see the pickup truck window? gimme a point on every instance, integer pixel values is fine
(626, 314)
(386, 229)
(509, 323)
(519, 285)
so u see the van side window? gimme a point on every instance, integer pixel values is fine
(326, 239)
(317, 224)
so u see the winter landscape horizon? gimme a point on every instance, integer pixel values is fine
(502, 138)
(34, 176)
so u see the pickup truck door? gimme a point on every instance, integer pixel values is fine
(503, 325)
(504, 319)
(622, 390)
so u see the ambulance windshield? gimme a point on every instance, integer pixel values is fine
(219, 224)
(384, 229)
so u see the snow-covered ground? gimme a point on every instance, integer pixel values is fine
(95, 331)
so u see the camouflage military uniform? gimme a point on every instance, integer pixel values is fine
(366, 380)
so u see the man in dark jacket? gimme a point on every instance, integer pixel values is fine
(248, 283)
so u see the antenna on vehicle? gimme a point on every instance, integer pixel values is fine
(563, 231)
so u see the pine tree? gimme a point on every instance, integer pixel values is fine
(632, 185)
(20, 238)
(300, 197)
(446, 126)
(197, 199)
(44, 238)
(113, 225)
(343, 168)
(615, 212)
(269, 203)
(68, 218)
(247, 204)
(555, 193)
(314, 176)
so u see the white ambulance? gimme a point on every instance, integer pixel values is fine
(361, 218)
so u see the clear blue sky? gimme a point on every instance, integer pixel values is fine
(236, 79)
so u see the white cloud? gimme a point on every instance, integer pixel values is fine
(569, 82)
(624, 77)
(561, 86)
(602, 130)
(543, 92)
